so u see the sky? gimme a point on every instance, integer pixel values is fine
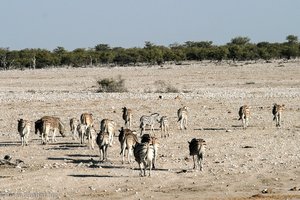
(72, 24)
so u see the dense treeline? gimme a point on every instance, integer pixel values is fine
(238, 49)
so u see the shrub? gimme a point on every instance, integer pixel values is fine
(112, 85)
(163, 87)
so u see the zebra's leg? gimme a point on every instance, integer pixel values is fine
(145, 166)
(106, 147)
(200, 159)
(46, 133)
(247, 121)
(26, 139)
(42, 134)
(103, 153)
(168, 129)
(194, 161)
(150, 168)
(82, 138)
(89, 138)
(154, 159)
(123, 152)
(181, 124)
(100, 151)
(93, 143)
(111, 137)
(53, 136)
(129, 154)
(278, 120)
(74, 134)
(22, 141)
(244, 123)
(141, 169)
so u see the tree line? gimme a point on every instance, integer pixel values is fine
(238, 49)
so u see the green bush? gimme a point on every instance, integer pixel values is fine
(111, 85)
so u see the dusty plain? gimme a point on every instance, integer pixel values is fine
(261, 162)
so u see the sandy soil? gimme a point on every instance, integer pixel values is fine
(239, 164)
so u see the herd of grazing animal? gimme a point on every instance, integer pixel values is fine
(145, 151)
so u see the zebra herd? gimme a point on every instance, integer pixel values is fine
(145, 151)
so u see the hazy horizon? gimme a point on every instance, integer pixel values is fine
(84, 24)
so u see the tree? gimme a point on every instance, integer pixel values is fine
(240, 40)
(102, 47)
(292, 39)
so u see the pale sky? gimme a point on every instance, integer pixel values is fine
(73, 24)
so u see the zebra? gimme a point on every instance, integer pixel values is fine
(154, 142)
(127, 116)
(277, 112)
(197, 148)
(91, 135)
(108, 126)
(24, 130)
(182, 114)
(128, 140)
(47, 124)
(103, 142)
(87, 119)
(81, 129)
(73, 126)
(148, 120)
(144, 155)
(164, 126)
(244, 113)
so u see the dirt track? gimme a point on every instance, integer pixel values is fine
(238, 163)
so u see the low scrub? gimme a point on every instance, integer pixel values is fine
(163, 87)
(112, 85)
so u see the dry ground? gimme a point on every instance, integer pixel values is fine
(239, 164)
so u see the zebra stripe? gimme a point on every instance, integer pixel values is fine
(144, 155)
(146, 120)
(47, 124)
(73, 127)
(244, 114)
(87, 119)
(197, 148)
(127, 116)
(108, 126)
(128, 140)
(164, 126)
(277, 113)
(182, 114)
(103, 143)
(24, 130)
